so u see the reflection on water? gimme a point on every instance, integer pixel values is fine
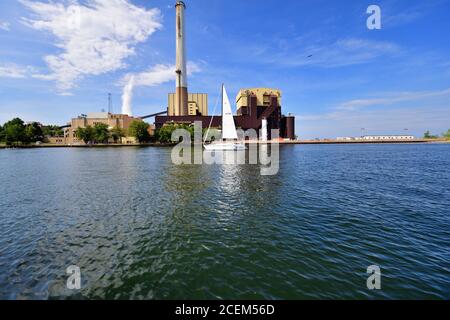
(140, 227)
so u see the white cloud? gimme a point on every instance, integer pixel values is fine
(349, 52)
(157, 75)
(94, 39)
(4, 26)
(193, 67)
(391, 99)
(394, 15)
(344, 52)
(393, 121)
(14, 71)
(401, 18)
(426, 110)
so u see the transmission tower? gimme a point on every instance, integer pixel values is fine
(110, 105)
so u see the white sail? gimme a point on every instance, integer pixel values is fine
(228, 130)
(228, 126)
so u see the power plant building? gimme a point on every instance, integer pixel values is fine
(121, 121)
(253, 105)
(262, 97)
(197, 104)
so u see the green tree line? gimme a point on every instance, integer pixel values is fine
(16, 133)
(428, 135)
(100, 133)
(164, 134)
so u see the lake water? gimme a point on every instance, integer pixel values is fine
(140, 227)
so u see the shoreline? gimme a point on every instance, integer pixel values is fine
(300, 142)
(416, 141)
(49, 146)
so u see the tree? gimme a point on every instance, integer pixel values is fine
(428, 135)
(117, 134)
(52, 131)
(33, 132)
(2, 134)
(101, 133)
(164, 134)
(85, 134)
(213, 134)
(14, 132)
(446, 135)
(139, 130)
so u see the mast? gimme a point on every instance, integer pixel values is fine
(212, 117)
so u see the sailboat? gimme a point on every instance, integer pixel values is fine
(229, 133)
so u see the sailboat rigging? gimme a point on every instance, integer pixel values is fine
(229, 133)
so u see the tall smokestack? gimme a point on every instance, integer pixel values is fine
(181, 93)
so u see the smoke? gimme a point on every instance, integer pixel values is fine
(154, 76)
(127, 97)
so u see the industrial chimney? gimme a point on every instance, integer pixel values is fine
(181, 93)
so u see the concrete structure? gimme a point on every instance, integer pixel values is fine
(251, 111)
(387, 137)
(181, 103)
(121, 121)
(181, 93)
(197, 104)
(262, 96)
(57, 140)
(345, 138)
(253, 105)
(288, 127)
(378, 138)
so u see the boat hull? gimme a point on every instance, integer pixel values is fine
(224, 146)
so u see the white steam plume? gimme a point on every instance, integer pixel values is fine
(154, 76)
(127, 97)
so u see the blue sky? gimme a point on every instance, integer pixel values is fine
(54, 66)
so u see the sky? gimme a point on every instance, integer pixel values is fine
(60, 59)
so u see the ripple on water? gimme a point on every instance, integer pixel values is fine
(142, 228)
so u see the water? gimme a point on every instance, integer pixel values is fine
(142, 228)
